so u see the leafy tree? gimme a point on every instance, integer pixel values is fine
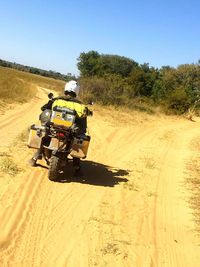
(92, 63)
(89, 63)
(114, 64)
(188, 76)
(178, 101)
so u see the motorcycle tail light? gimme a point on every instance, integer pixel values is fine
(61, 135)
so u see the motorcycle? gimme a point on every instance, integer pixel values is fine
(59, 137)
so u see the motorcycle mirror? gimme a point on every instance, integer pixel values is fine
(91, 103)
(50, 95)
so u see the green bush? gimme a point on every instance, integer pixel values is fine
(178, 101)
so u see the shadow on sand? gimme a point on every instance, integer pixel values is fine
(95, 174)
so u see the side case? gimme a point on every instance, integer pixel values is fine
(35, 136)
(80, 146)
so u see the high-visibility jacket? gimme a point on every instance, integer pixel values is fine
(77, 106)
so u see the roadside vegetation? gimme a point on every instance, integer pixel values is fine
(120, 81)
(193, 183)
(41, 72)
(18, 86)
(113, 80)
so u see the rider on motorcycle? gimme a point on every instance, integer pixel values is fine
(71, 91)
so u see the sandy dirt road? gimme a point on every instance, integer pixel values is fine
(129, 209)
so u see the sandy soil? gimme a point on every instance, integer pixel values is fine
(129, 209)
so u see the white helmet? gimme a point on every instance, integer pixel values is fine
(72, 87)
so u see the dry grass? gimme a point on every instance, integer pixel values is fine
(122, 115)
(193, 184)
(18, 86)
(131, 185)
(149, 162)
(7, 165)
(21, 140)
(10, 163)
(110, 248)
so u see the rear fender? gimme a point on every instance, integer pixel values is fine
(54, 144)
(61, 155)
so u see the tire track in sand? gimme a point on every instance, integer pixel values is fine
(80, 224)
(18, 196)
(14, 216)
(173, 224)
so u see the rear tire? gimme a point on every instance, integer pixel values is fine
(54, 168)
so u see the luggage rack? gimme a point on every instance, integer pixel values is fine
(64, 110)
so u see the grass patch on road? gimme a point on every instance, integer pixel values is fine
(7, 165)
(131, 185)
(9, 162)
(20, 140)
(149, 162)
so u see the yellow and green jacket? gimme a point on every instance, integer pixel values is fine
(67, 102)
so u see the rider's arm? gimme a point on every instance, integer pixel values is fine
(47, 105)
(88, 112)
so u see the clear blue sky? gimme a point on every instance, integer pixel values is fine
(51, 34)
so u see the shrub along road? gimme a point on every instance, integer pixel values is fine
(129, 209)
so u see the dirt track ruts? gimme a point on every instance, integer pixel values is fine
(129, 209)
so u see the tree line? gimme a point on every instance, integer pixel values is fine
(118, 80)
(45, 73)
